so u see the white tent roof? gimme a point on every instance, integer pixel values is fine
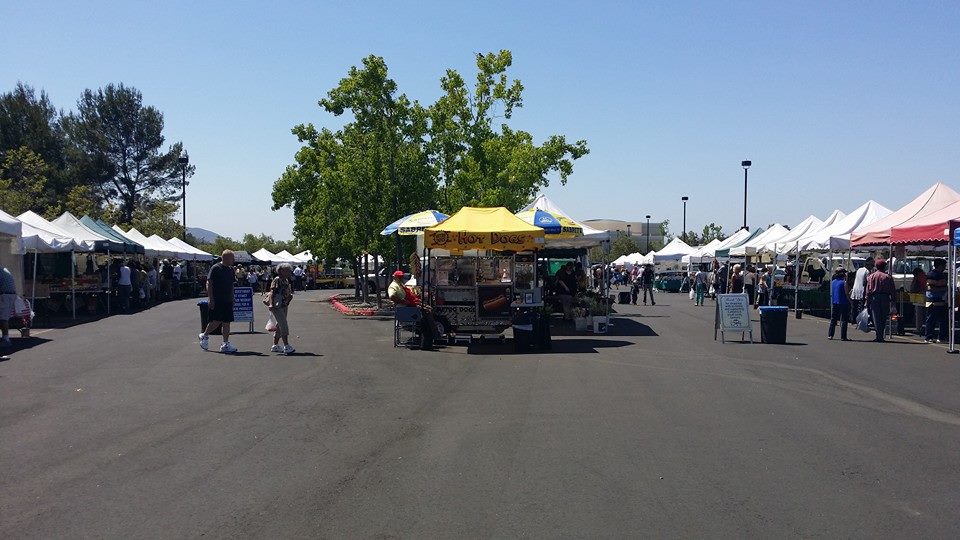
(836, 237)
(812, 223)
(673, 251)
(78, 231)
(150, 249)
(772, 234)
(34, 239)
(701, 253)
(264, 255)
(198, 254)
(52, 230)
(287, 257)
(9, 225)
(591, 236)
(304, 256)
(178, 252)
(734, 239)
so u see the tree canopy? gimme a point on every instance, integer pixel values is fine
(395, 157)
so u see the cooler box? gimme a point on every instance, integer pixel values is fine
(773, 324)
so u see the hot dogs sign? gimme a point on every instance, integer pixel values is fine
(497, 241)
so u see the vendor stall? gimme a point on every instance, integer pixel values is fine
(481, 272)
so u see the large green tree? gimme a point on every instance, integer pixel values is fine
(119, 148)
(479, 163)
(347, 184)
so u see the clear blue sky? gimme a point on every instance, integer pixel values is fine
(835, 102)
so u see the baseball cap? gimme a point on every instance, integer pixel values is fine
(398, 273)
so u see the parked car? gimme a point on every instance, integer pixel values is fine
(334, 278)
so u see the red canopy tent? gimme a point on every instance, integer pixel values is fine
(933, 229)
(930, 201)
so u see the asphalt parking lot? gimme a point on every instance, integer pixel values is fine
(124, 427)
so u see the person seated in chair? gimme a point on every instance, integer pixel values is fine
(402, 295)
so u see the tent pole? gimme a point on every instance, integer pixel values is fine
(830, 276)
(952, 291)
(33, 294)
(108, 281)
(73, 283)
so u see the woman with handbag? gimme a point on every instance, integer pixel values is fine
(278, 300)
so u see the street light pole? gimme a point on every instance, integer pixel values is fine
(648, 234)
(184, 161)
(684, 199)
(746, 165)
(628, 230)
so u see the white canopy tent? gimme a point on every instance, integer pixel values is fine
(38, 241)
(752, 247)
(304, 256)
(11, 247)
(702, 253)
(734, 239)
(38, 223)
(177, 251)
(263, 255)
(198, 254)
(811, 223)
(675, 250)
(836, 237)
(287, 257)
(591, 237)
(150, 248)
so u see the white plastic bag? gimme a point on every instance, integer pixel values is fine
(691, 293)
(863, 320)
(271, 324)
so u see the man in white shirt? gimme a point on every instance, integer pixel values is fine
(124, 286)
(298, 278)
(859, 289)
(177, 276)
(252, 279)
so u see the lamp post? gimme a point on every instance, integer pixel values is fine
(628, 230)
(184, 161)
(684, 235)
(648, 234)
(746, 165)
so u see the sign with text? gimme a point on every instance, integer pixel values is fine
(733, 314)
(243, 304)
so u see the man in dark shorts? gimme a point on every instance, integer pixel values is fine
(220, 302)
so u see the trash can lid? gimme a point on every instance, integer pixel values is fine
(773, 308)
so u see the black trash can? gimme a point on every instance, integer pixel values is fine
(205, 317)
(773, 324)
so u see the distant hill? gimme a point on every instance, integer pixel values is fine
(203, 234)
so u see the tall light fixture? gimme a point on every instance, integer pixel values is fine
(648, 235)
(684, 199)
(746, 165)
(184, 161)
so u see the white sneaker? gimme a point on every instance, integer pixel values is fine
(227, 348)
(276, 348)
(204, 342)
(287, 349)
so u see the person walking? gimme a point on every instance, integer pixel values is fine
(252, 278)
(879, 294)
(735, 280)
(646, 282)
(858, 292)
(700, 285)
(750, 283)
(936, 302)
(124, 286)
(841, 304)
(220, 302)
(281, 293)
(763, 288)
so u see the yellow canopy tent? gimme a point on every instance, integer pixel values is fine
(484, 228)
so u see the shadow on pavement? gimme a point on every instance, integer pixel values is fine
(620, 326)
(560, 346)
(22, 344)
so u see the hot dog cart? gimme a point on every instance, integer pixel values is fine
(481, 270)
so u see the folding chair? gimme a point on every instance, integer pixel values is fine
(405, 318)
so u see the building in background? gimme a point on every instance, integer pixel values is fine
(637, 229)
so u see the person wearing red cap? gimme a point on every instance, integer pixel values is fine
(404, 296)
(880, 291)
